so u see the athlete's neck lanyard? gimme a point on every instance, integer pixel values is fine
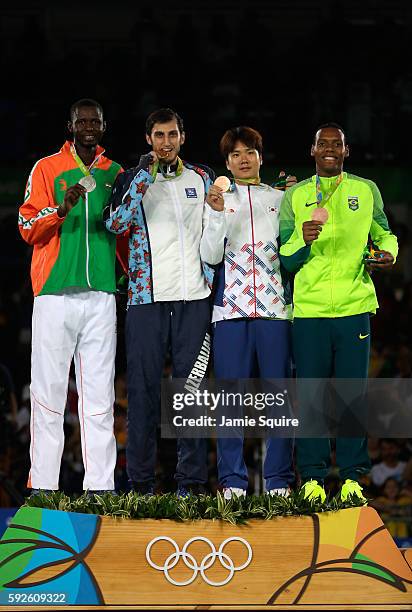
(158, 166)
(86, 170)
(322, 201)
(248, 181)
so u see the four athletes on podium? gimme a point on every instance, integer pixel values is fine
(183, 230)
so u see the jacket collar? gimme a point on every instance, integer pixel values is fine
(66, 149)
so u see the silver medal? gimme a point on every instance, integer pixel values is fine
(88, 182)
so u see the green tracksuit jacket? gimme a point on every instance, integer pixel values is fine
(330, 276)
(76, 250)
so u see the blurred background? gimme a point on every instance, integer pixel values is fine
(281, 67)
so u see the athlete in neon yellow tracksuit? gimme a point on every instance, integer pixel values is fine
(333, 291)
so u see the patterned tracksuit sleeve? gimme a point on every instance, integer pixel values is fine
(380, 232)
(125, 200)
(293, 251)
(38, 218)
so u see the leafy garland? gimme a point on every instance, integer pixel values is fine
(194, 507)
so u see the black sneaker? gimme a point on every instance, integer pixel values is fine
(190, 489)
(144, 488)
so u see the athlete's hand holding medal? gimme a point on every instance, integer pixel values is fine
(152, 161)
(86, 184)
(147, 161)
(311, 229)
(215, 194)
(73, 194)
(71, 197)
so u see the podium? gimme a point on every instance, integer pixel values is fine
(331, 559)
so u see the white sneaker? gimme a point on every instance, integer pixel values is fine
(285, 492)
(229, 492)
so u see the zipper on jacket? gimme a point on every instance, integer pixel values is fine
(86, 206)
(333, 257)
(253, 244)
(179, 218)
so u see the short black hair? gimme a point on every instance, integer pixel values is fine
(249, 136)
(330, 124)
(163, 115)
(85, 102)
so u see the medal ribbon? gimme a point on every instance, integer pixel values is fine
(158, 166)
(322, 201)
(249, 181)
(83, 168)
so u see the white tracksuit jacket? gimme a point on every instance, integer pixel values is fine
(243, 239)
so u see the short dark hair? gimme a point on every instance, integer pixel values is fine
(163, 115)
(330, 124)
(251, 137)
(84, 102)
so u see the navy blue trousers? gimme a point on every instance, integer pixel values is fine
(152, 330)
(248, 348)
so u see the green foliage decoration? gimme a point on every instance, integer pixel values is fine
(194, 507)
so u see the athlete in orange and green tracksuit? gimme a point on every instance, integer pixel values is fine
(333, 291)
(74, 312)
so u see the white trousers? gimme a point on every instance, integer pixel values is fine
(80, 325)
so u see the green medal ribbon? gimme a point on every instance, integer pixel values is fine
(157, 165)
(322, 201)
(83, 168)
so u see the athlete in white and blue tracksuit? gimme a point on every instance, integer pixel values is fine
(168, 301)
(251, 315)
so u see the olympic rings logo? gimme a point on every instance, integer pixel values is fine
(206, 563)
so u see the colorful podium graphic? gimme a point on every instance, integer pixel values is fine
(43, 558)
(48, 557)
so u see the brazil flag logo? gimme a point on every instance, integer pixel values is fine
(353, 202)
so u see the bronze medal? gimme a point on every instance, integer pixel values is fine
(320, 215)
(223, 182)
